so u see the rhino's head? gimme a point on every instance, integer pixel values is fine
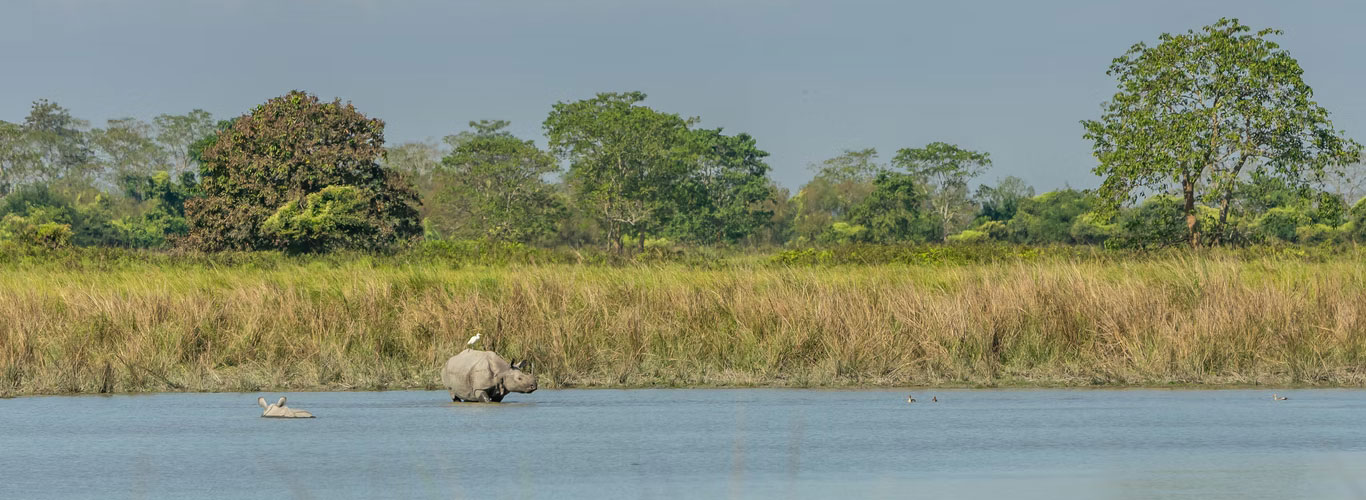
(519, 378)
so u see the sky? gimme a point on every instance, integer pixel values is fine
(808, 79)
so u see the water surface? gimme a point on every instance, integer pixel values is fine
(742, 443)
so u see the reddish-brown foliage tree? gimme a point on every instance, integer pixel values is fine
(284, 150)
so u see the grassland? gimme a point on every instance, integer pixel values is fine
(166, 324)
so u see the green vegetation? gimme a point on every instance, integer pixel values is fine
(290, 247)
(1200, 111)
(136, 322)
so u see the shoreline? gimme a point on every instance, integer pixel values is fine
(1183, 386)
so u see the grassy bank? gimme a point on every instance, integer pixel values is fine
(300, 324)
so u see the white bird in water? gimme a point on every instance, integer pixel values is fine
(473, 339)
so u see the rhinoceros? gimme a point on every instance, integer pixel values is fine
(279, 410)
(483, 376)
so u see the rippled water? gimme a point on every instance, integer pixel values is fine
(692, 443)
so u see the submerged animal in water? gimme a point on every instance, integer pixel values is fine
(279, 410)
(483, 376)
(1274, 397)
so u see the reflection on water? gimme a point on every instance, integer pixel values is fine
(692, 443)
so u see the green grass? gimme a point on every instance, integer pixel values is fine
(83, 322)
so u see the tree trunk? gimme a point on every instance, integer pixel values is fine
(1188, 189)
(944, 223)
(614, 235)
(1219, 228)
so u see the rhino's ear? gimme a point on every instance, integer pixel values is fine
(281, 403)
(261, 401)
(518, 364)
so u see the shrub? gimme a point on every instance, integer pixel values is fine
(1048, 218)
(969, 236)
(1158, 222)
(842, 232)
(1281, 223)
(25, 231)
(330, 219)
(1355, 228)
(1315, 234)
(1091, 229)
(51, 235)
(995, 229)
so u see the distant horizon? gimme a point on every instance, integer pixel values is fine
(807, 80)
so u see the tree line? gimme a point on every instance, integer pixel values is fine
(1212, 138)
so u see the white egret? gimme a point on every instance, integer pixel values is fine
(473, 339)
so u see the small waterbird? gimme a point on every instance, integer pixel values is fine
(1274, 397)
(934, 399)
(473, 339)
(910, 399)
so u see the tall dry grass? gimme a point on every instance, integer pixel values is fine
(301, 326)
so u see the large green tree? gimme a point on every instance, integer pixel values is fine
(285, 150)
(944, 171)
(176, 133)
(722, 197)
(126, 147)
(840, 184)
(1000, 202)
(493, 186)
(892, 211)
(1048, 218)
(19, 159)
(419, 162)
(60, 141)
(624, 159)
(1197, 112)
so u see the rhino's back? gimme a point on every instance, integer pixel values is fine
(472, 370)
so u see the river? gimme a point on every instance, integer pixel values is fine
(692, 443)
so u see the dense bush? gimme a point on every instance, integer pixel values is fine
(1355, 228)
(1091, 229)
(41, 234)
(969, 236)
(1156, 223)
(88, 223)
(1315, 234)
(1048, 218)
(330, 219)
(1280, 223)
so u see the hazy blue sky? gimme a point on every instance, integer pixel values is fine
(808, 79)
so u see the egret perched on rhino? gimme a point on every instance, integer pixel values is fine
(483, 376)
